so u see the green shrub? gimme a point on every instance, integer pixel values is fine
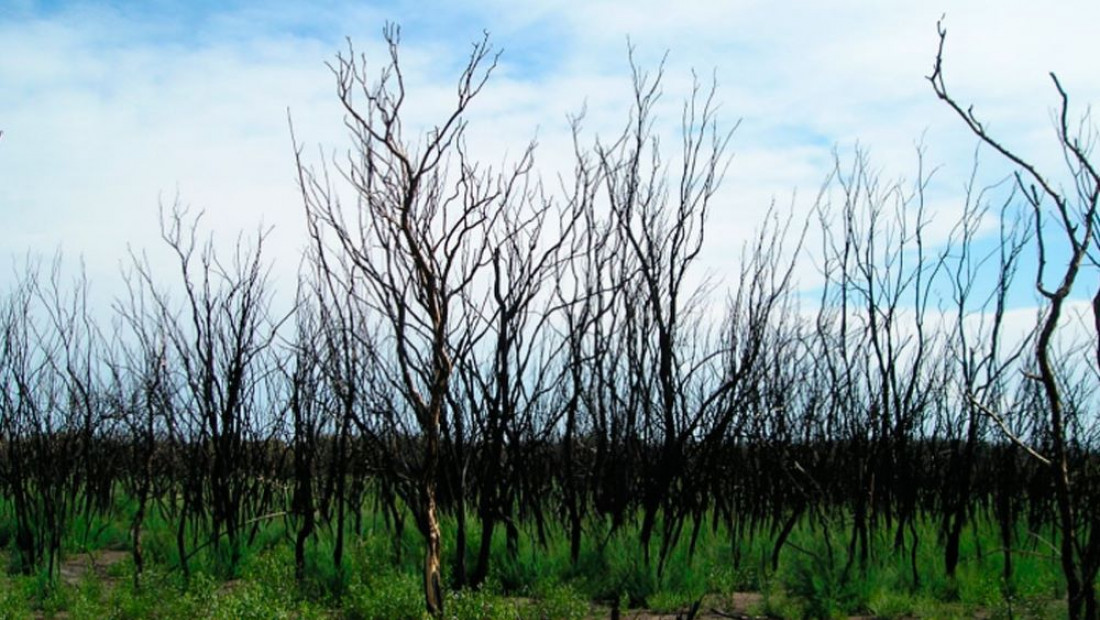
(777, 603)
(889, 604)
(479, 605)
(247, 601)
(160, 596)
(390, 597)
(12, 603)
(558, 602)
(669, 602)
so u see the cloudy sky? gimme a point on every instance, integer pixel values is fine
(111, 108)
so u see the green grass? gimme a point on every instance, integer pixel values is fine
(539, 583)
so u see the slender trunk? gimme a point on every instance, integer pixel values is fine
(481, 570)
(953, 539)
(667, 469)
(433, 590)
(696, 527)
(673, 527)
(137, 552)
(341, 522)
(511, 537)
(25, 536)
(781, 540)
(1077, 591)
(303, 503)
(433, 551)
(956, 518)
(575, 531)
(395, 519)
(569, 477)
(300, 548)
(460, 539)
(181, 541)
(649, 519)
(341, 473)
(456, 481)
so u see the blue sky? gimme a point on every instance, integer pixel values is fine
(109, 108)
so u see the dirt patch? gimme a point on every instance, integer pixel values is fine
(744, 602)
(76, 567)
(704, 614)
(736, 606)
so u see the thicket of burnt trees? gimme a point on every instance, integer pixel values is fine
(873, 436)
(981, 356)
(213, 347)
(759, 367)
(305, 406)
(333, 380)
(54, 425)
(506, 403)
(142, 385)
(648, 404)
(351, 432)
(328, 371)
(660, 237)
(1065, 221)
(586, 289)
(878, 345)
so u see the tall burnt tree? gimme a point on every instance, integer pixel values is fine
(1066, 233)
(418, 243)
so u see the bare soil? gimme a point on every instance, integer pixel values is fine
(737, 606)
(76, 567)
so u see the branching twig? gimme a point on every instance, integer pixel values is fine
(1008, 432)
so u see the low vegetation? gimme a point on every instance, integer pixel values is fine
(97, 579)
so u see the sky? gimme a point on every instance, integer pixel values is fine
(110, 109)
